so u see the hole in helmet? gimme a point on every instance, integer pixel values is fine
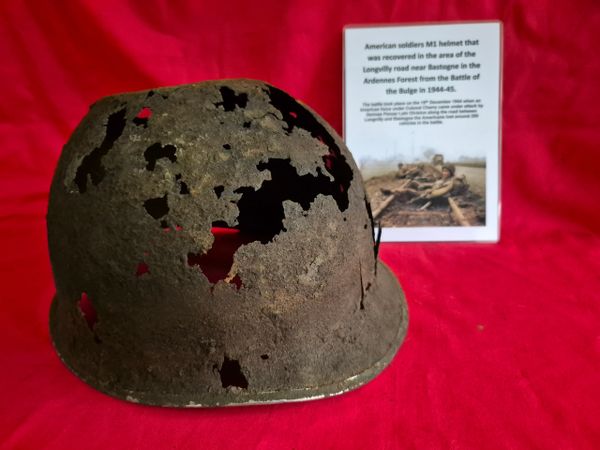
(247, 124)
(264, 356)
(142, 268)
(296, 115)
(143, 116)
(261, 211)
(237, 282)
(260, 215)
(183, 187)
(157, 151)
(231, 99)
(157, 207)
(92, 164)
(87, 310)
(227, 146)
(232, 375)
(217, 262)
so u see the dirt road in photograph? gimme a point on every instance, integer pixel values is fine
(475, 178)
(394, 207)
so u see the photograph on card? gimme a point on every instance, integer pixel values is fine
(422, 119)
(435, 188)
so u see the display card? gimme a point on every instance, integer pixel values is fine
(422, 119)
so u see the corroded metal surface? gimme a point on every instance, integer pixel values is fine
(211, 244)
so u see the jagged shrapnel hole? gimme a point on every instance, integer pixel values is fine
(297, 116)
(217, 262)
(261, 212)
(231, 100)
(87, 310)
(231, 374)
(261, 215)
(91, 164)
(183, 187)
(157, 151)
(142, 269)
(142, 117)
(158, 207)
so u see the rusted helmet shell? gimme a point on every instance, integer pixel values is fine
(212, 244)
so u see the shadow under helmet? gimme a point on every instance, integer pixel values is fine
(212, 244)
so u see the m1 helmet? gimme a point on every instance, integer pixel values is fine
(212, 244)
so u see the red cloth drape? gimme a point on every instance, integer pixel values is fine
(503, 349)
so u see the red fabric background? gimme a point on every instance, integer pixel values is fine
(503, 349)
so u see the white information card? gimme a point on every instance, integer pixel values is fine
(422, 120)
